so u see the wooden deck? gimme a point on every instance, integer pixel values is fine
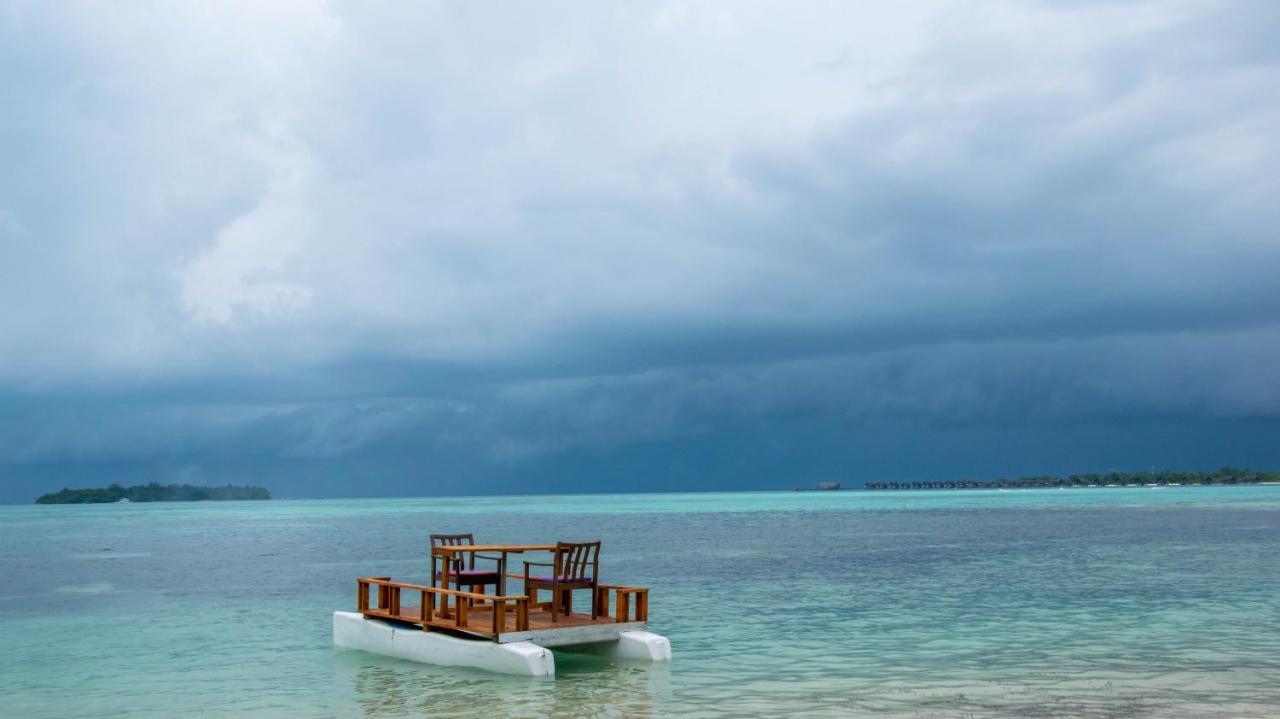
(474, 614)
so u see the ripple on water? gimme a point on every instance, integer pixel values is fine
(90, 588)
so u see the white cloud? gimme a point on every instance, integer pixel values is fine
(237, 277)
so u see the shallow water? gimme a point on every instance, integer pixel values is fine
(1027, 603)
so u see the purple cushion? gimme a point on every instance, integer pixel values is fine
(547, 580)
(466, 574)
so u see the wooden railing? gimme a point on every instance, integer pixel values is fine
(626, 598)
(631, 603)
(387, 606)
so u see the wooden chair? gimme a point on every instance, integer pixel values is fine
(574, 566)
(462, 569)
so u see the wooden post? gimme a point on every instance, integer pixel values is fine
(446, 560)
(499, 618)
(424, 610)
(394, 596)
(522, 614)
(383, 600)
(642, 605)
(622, 607)
(362, 595)
(602, 602)
(460, 613)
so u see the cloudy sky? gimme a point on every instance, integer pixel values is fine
(414, 248)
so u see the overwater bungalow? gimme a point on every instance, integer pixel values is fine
(455, 620)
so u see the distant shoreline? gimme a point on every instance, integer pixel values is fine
(937, 486)
(1227, 476)
(153, 492)
(1272, 479)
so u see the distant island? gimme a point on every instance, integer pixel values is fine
(152, 492)
(1224, 476)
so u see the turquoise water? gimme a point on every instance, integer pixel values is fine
(1044, 603)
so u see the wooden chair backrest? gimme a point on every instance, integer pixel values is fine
(578, 561)
(455, 540)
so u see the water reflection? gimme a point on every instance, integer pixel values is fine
(585, 685)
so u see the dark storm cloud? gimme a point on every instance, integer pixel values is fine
(311, 241)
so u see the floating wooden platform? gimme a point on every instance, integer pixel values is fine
(503, 619)
(507, 634)
(575, 628)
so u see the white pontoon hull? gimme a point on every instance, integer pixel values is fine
(524, 658)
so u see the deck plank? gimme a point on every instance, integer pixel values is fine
(481, 616)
